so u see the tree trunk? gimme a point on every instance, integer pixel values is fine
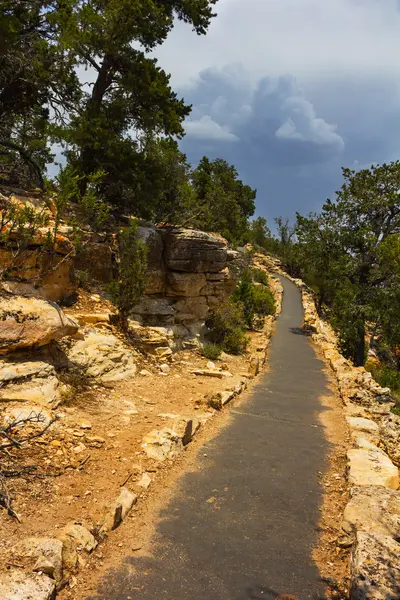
(359, 352)
(93, 108)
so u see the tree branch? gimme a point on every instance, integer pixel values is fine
(26, 156)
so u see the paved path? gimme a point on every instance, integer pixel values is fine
(244, 525)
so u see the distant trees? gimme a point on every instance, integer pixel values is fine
(350, 254)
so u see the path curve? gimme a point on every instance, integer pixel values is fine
(244, 525)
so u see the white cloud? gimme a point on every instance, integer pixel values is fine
(207, 129)
(303, 124)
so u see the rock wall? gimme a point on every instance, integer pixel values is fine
(190, 272)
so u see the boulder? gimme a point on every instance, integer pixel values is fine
(373, 509)
(219, 399)
(372, 467)
(149, 339)
(162, 444)
(96, 260)
(375, 568)
(45, 554)
(194, 251)
(104, 356)
(118, 511)
(80, 536)
(18, 585)
(369, 429)
(29, 323)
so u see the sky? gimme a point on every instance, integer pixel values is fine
(290, 91)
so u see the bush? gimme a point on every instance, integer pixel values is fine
(260, 276)
(227, 326)
(129, 287)
(256, 300)
(211, 351)
(386, 377)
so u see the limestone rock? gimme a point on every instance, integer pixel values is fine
(254, 366)
(154, 311)
(219, 399)
(92, 318)
(80, 535)
(373, 509)
(190, 309)
(207, 373)
(43, 550)
(185, 427)
(194, 251)
(29, 322)
(369, 467)
(162, 444)
(18, 585)
(19, 369)
(45, 392)
(149, 340)
(38, 275)
(145, 481)
(364, 425)
(390, 436)
(104, 356)
(375, 568)
(96, 259)
(24, 411)
(185, 284)
(118, 511)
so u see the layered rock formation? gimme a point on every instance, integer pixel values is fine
(189, 273)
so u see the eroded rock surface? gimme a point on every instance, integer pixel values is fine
(31, 323)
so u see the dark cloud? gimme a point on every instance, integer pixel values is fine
(287, 141)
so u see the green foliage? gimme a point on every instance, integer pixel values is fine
(257, 301)
(94, 208)
(349, 254)
(387, 377)
(211, 351)
(258, 232)
(227, 327)
(130, 284)
(259, 276)
(222, 202)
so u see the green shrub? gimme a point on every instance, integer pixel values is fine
(386, 377)
(256, 300)
(260, 276)
(130, 284)
(227, 327)
(211, 351)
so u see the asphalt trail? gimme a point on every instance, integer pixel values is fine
(244, 525)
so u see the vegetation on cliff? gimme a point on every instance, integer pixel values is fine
(81, 77)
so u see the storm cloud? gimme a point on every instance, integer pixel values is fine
(291, 91)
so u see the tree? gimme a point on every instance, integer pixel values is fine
(223, 203)
(259, 233)
(37, 78)
(351, 249)
(131, 98)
